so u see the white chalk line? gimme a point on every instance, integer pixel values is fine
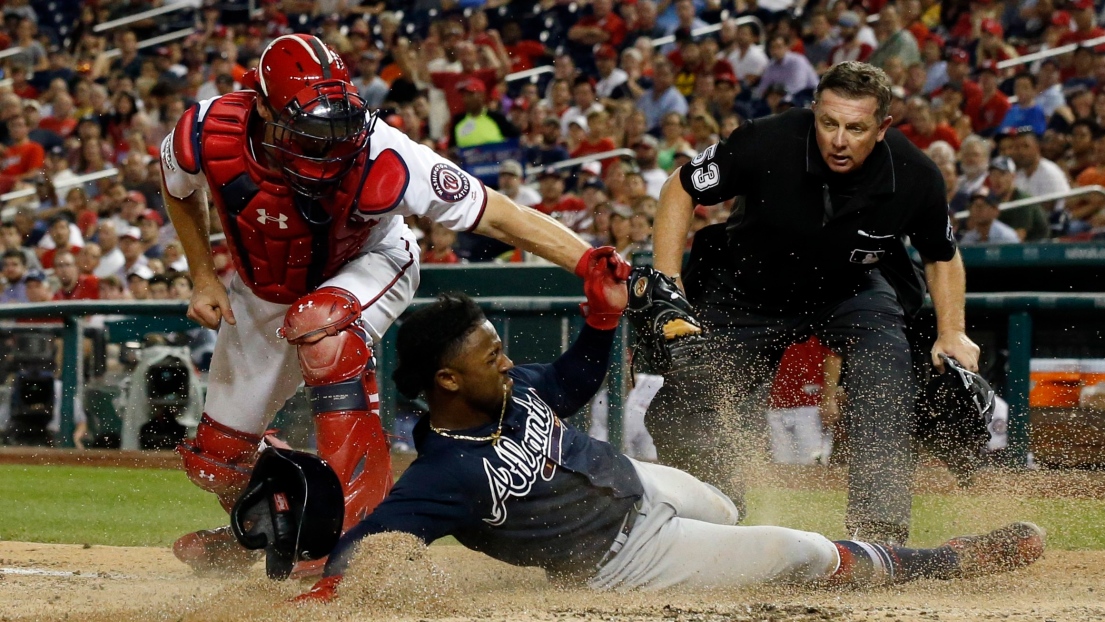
(39, 572)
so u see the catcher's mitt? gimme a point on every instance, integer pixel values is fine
(953, 414)
(669, 338)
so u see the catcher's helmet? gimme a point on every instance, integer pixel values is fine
(954, 411)
(321, 123)
(293, 508)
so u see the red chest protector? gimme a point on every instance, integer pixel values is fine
(284, 245)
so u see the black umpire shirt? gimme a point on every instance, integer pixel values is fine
(800, 236)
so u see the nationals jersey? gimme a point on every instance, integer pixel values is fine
(285, 245)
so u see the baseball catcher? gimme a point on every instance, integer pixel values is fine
(501, 468)
(311, 189)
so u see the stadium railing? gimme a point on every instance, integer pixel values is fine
(137, 17)
(657, 42)
(69, 183)
(152, 41)
(1062, 49)
(1044, 198)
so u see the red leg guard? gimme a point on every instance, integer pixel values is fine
(335, 356)
(220, 459)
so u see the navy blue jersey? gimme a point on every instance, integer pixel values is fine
(545, 495)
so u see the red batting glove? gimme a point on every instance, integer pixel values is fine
(322, 592)
(607, 295)
(617, 266)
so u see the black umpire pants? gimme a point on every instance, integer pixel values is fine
(698, 413)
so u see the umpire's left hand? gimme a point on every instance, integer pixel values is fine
(958, 346)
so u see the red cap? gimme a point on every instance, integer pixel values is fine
(993, 27)
(1082, 5)
(152, 215)
(472, 85)
(726, 76)
(959, 56)
(606, 51)
(1060, 19)
(519, 103)
(136, 196)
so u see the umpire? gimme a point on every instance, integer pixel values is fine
(815, 246)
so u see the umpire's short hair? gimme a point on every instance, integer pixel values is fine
(855, 80)
(431, 336)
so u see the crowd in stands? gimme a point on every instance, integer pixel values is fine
(660, 79)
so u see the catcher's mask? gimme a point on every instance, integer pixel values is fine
(954, 410)
(318, 135)
(293, 508)
(958, 391)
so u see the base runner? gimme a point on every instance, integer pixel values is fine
(500, 470)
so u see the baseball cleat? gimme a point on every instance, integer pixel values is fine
(214, 550)
(1004, 549)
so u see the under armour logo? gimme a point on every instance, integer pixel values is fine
(207, 476)
(281, 220)
(310, 303)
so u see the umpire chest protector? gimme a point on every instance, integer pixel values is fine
(284, 245)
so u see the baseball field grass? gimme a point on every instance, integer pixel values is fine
(151, 507)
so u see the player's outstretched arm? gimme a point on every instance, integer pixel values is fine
(669, 233)
(209, 304)
(531, 230)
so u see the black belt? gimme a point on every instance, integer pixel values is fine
(623, 534)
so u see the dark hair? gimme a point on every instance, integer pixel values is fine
(16, 254)
(1025, 76)
(429, 337)
(160, 278)
(856, 80)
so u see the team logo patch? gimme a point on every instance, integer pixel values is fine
(167, 154)
(280, 502)
(449, 183)
(861, 256)
(639, 287)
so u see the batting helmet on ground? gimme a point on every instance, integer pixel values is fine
(293, 508)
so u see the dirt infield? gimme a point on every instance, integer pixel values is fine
(451, 583)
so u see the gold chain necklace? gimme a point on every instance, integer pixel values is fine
(493, 437)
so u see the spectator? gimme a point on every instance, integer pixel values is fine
(821, 41)
(130, 244)
(149, 224)
(23, 159)
(159, 286)
(61, 235)
(88, 258)
(138, 282)
(32, 112)
(687, 19)
(439, 248)
(673, 132)
(748, 57)
(663, 98)
(567, 208)
(597, 140)
(72, 285)
(173, 257)
(477, 125)
(993, 104)
(621, 233)
(851, 47)
(1038, 176)
(14, 269)
(372, 88)
(62, 119)
(549, 149)
(38, 287)
(612, 80)
(894, 41)
(510, 184)
(1083, 150)
(1028, 221)
(959, 71)
(1026, 112)
(1085, 209)
(601, 25)
(974, 161)
(647, 159)
(583, 103)
(1050, 97)
(936, 68)
(181, 286)
(111, 288)
(1085, 26)
(111, 257)
(923, 129)
(790, 69)
(991, 48)
(983, 226)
